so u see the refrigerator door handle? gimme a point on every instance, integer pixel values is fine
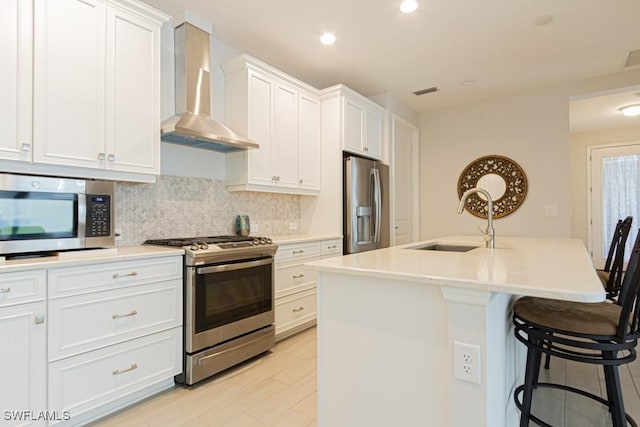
(378, 202)
(373, 187)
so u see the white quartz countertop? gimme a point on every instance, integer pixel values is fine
(302, 238)
(541, 267)
(90, 256)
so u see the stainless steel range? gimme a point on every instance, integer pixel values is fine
(228, 296)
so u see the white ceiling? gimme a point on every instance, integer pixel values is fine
(493, 42)
(601, 112)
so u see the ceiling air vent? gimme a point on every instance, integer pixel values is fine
(633, 58)
(425, 91)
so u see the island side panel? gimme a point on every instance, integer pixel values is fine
(382, 352)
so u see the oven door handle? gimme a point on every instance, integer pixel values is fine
(231, 267)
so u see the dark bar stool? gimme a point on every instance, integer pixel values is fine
(598, 333)
(611, 275)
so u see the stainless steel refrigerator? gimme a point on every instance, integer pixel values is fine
(366, 205)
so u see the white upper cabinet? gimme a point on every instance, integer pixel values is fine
(16, 34)
(91, 94)
(282, 115)
(362, 125)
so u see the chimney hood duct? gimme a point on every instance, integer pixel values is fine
(192, 125)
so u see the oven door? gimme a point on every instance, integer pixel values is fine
(227, 300)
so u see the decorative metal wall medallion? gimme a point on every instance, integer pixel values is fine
(503, 178)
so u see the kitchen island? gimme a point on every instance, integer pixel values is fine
(416, 337)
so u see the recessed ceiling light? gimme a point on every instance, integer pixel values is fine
(327, 39)
(630, 110)
(408, 6)
(544, 20)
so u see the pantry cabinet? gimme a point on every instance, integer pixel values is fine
(88, 104)
(282, 115)
(295, 284)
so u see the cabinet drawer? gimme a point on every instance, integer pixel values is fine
(82, 383)
(298, 251)
(295, 310)
(22, 287)
(90, 321)
(333, 246)
(97, 277)
(289, 279)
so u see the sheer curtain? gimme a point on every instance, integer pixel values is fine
(620, 197)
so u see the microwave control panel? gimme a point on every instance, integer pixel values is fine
(98, 215)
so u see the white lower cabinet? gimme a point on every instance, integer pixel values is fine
(95, 380)
(23, 366)
(115, 335)
(295, 285)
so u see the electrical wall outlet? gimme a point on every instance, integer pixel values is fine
(293, 226)
(466, 362)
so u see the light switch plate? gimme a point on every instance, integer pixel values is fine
(551, 210)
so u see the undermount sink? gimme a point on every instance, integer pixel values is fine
(442, 247)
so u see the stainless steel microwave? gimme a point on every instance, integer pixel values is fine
(42, 214)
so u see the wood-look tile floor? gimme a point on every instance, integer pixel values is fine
(279, 389)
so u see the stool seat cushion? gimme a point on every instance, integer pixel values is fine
(603, 276)
(600, 318)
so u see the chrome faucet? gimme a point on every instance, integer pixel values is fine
(490, 233)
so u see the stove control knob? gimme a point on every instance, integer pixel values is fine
(255, 242)
(268, 241)
(263, 241)
(194, 247)
(204, 246)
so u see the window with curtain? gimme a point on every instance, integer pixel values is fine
(620, 197)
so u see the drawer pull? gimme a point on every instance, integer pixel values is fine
(129, 369)
(297, 276)
(118, 316)
(295, 310)
(5, 290)
(332, 246)
(298, 252)
(133, 273)
(39, 319)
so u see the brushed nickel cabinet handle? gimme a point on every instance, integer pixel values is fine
(295, 310)
(102, 156)
(118, 316)
(5, 290)
(366, 148)
(118, 275)
(39, 319)
(111, 157)
(26, 147)
(129, 369)
(297, 276)
(332, 246)
(274, 178)
(298, 252)
(301, 181)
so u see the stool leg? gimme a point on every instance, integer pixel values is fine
(530, 378)
(547, 356)
(614, 393)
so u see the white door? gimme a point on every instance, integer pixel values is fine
(132, 93)
(615, 194)
(16, 70)
(405, 181)
(69, 70)
(309, 141)
(24, 362)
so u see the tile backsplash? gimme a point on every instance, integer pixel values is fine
(185, 207)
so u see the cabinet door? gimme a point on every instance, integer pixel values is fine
(353, 133)
(69, 60)
(286, 141)
(260, 127)
(309, 141)
(373, 133)
(23, 360)
(132, 93)
(16, 29)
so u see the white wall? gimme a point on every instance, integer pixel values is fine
(530, 128)
(579, 144)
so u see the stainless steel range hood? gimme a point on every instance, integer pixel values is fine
(192, 124)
